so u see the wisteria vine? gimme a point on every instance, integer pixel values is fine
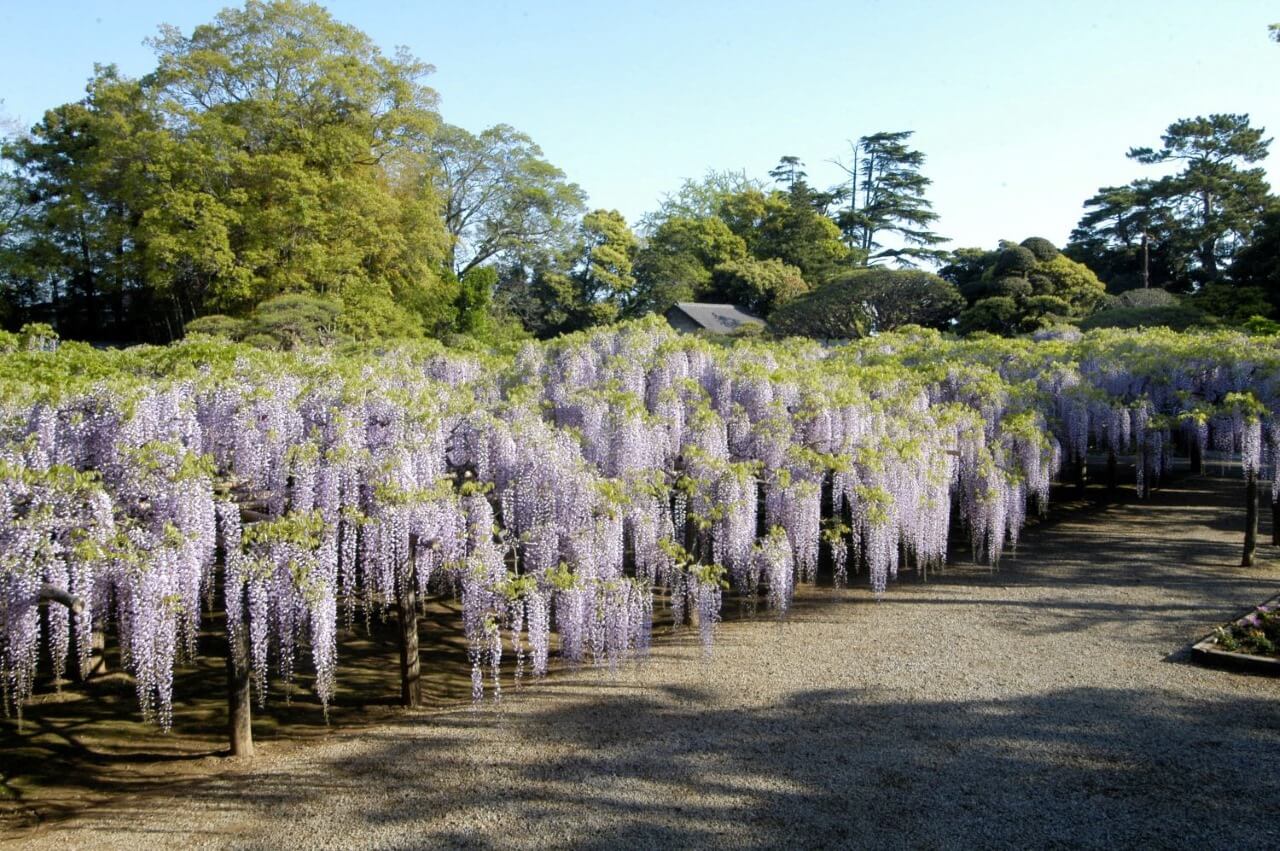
(576, 486)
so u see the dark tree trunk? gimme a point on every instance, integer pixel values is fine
(410, 662)
(690, 530)
(98, 650)
(1112, 473)
(1275, 524)
(761, 524)
(1197, 457)
(1250, 520)
(826, 508)
(1142, 471)
(97, 664)
(239, 699)
(1082, 475)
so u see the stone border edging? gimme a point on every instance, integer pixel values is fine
(1206, 652)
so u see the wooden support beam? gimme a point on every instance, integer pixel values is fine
(249, 515)
(54, 594)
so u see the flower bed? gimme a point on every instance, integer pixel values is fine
(1249, 643)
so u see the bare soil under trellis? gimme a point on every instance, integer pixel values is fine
(1050, 703)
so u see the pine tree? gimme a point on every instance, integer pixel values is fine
(887, 196)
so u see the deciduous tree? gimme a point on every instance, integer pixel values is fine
(272, 151)
(677, 260)
(759, 286)
(503, 201)
(1022, 287)
(871, 300)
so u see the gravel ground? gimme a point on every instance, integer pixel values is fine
(1049, 704)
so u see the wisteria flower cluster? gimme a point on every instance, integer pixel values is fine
(579, 485)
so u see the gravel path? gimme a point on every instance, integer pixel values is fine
(1048, 704)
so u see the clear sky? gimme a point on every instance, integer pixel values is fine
(1023, 108)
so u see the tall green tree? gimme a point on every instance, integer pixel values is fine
(700, 198)
(1127, 236)
(588, 284)
(1213, 201)
(1022, 287)
(870, 300)
(503, 202)
(789, 171)
(886, 194)
(790, 174)
(1257, 265)
(272, 151)
(677, 262)
(730, 223)
(311, 141)
(1181, 231)
(775, 227)
(604, 273)
(759, 286)
(72, 245)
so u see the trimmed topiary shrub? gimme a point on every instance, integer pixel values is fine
(1014, 260)
(1043, 249)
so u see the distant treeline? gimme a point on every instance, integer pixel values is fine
(278, 178)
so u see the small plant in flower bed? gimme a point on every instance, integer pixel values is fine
(1257, 634)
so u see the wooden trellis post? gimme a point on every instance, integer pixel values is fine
(1250, 519)
(407, 603)
(1275, 523)
(239, 697)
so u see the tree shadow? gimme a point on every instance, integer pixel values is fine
(91, 749)
(1075, 767)
(86, 742)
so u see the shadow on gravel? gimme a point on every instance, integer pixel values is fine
(1073, 767)
(1082, 766)
(73, 750)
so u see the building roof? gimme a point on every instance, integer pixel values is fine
(717, 318)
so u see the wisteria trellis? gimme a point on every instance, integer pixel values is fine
(558, 486)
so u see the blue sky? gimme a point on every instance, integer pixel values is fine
(1022, 109)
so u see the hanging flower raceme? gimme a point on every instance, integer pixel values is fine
(55, 527)
(556, 487)
(282, 580)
